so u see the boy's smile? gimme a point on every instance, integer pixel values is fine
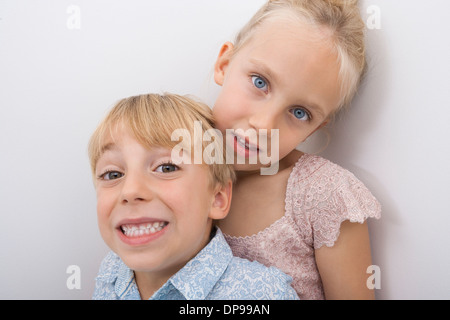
(140, 231)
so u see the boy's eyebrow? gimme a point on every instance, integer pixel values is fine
(107, 147)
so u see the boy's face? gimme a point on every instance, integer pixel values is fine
(284, 78)
(155, 215)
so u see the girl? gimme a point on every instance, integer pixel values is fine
(292, 67)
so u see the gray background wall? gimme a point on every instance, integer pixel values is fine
(64, 63)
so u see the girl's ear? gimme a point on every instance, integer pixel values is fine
(221, 202)
(222, 62)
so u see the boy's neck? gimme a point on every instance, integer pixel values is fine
(150, 282)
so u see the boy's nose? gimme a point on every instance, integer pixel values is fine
(135, 190)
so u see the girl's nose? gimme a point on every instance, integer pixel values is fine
(263, 118)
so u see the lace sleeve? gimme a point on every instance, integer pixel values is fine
(346, 199)
(321, 195)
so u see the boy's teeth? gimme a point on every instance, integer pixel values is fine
(133, 230)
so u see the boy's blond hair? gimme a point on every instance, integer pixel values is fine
(342, 20)
(152, 118)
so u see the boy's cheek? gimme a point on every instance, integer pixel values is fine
(105, 225)
(104, 208)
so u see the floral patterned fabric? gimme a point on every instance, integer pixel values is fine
(320, 195)
(213, 274)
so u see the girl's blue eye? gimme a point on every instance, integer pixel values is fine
(166, 168)
(259, 82)
(300, 114)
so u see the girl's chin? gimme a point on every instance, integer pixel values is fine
(247, 168)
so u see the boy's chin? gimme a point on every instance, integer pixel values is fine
(140, 263)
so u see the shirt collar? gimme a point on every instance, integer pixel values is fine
(125, 282)
(199, 276)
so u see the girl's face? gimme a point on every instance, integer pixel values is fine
(285, 78)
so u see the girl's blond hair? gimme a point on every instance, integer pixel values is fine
(152, 118)
(346, 29)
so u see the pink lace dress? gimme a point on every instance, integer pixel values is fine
(320, 195)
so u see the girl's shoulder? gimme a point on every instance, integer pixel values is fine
(312, 170)
(322, 194)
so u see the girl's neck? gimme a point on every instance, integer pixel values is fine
(287, 162)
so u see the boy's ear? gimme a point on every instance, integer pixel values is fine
(222, 62)
(221, 202)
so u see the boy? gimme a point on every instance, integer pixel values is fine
(157, 215)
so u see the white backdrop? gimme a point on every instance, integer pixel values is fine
(64, 63)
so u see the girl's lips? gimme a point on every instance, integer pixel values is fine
(243, 147)
(245, 141)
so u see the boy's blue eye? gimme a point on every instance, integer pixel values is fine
(259, 82)
(166, 168)
(300, 114)
(111, 175)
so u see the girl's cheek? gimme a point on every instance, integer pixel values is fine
(227, 120)
(220, 114)
(221, 124)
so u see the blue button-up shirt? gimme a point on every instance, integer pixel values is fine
(213, 274)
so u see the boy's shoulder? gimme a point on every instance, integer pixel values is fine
(256, 281)
(255, 269)
(244, 279)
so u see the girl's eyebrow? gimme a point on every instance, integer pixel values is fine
(265, 69)
(316, 108)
